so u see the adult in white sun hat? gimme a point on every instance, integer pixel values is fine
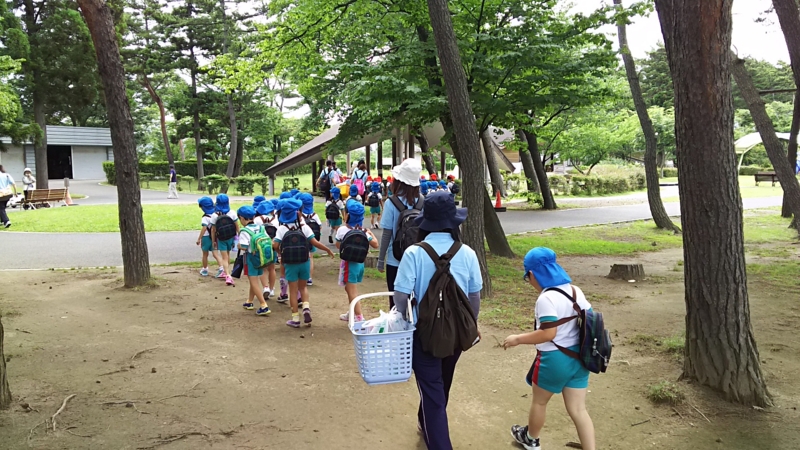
(406, 196)
(29, 181)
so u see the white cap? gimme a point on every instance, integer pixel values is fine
(408, 172)
(27, 170)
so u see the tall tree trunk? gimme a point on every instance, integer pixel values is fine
(198, 147)
(789, 18)
(495, 235)
(237, 170)
(721, 351)
(792, 150)
(5, 393)
(426, 156)
(491, 163)
(541, 175)
(784, 171)
(234, 137)
(162, 112)
(99, 20)
(657, 210)
(527, 164)
(466, 136)
(40, 148)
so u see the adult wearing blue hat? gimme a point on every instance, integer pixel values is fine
(205, 240)
(553, 371)
(225, 232)
(439, 226)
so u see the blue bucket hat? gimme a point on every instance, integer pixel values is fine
(432, 185)
(264, 208)
(353, 190)
(443, 184)
(207, 205)
(294, 192)
(246, 212)
(542, 262)
(223, 204)
(440, 213)
(274, 204)
(289, 208)
(285, 195)
(308, 202)
(336, 193)
(423, 188)
(258, 200)
(376, 187)
(355, 213)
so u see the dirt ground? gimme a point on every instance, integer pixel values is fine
(183, 366)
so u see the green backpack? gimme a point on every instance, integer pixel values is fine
(261, 246)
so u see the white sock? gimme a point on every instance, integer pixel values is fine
(305, 305)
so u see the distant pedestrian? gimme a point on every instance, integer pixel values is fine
(325, 180)
(29, 181)
(173, 183)
(7, 190)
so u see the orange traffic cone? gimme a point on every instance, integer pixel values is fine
(68, 199)
(497, 199)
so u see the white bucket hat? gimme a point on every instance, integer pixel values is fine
(408, 172)
(27, 170)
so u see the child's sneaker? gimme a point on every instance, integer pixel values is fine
(344, 317)
(263, 311)
(294, 322)
(248, 306)
(520, 435)
(306, 315)
(330, 239)
(204, 272)
(229, 281)
(310, 282)
(221, 273)
(283, 298)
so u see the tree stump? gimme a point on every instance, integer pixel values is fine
(5, 393)
(626, 272)
(372, 261)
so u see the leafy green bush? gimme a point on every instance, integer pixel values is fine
(245, 185)
(670, 172)
(216, 183)
(146, 178)
(111, 172)
(752, 170)
(596, 185)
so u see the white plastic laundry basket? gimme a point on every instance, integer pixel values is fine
(382, 358)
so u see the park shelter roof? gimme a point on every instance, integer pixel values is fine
(81, 136)
(312, 150)
(747, 142)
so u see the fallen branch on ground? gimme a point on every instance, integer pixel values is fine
(141, 352)
(640, 423)
(183, 394)
(30, 434)
(79, 435)
(171, 439)
(112, 373)
(63, 406)
(701, 412)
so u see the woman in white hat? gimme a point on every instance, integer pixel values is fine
(406, 196)
(29, 181)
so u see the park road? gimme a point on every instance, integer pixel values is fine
(65, 250)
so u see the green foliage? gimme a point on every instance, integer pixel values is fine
(665, 392)
(246, 184)
(111, 172)
(145, 177)
(670, 172)
(215, 183)
(751, 170)
(596, 185)
(188, 169)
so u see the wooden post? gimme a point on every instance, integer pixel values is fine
(410, 145)
(313, 177)
(380, 158)
(367, 157)
(394, 151)
(271, 185)
(443, 164)
(347, 164)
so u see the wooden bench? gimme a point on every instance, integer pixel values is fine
(767, 176)
(40, 196)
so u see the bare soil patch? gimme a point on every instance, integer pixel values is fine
(183, 366)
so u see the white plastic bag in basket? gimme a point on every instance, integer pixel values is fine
(376, 325)
(386, 323)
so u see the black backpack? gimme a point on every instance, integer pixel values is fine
(325, 181)
(332, 211)
(269, 228)
(446, 321)
(294, 246)
(354, 246)
(455, 189)
(373, 201)
(226, 228)
(595, 341)
(406, 230)
(315, 227)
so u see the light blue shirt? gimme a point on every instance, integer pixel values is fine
(416, 269)
(388, 223)
(6, 180)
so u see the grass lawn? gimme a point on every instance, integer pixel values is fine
(105, 218)
(191, 188)
(747, 185)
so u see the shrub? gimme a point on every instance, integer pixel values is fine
(189, 168)
(751, 170)
(111, 172)
(665, 392)
(245, 185)
(146, 177)
(216, 183)
(670, 172)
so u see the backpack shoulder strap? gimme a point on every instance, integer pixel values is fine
(430, 251)
(420, 203)
(570, 297)
(398, 203)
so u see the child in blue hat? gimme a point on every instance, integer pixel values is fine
(354, 195)
(375, 201)
(553, 371)
(225, 244)
(204, 240)
(265, 216)
(351, 273)
(314, 222)
(334, 210)
(252, 265)
(294, 239)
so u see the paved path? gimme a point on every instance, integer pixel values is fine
(64, 250)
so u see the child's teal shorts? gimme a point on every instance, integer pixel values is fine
(553, 371)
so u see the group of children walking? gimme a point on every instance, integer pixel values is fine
(285, 233)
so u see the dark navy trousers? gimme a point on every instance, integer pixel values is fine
(434, 377)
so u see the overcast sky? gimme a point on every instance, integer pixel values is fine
(760, 40)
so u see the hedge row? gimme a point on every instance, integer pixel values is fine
(595, 185)
(189, 168)
(672, 172)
